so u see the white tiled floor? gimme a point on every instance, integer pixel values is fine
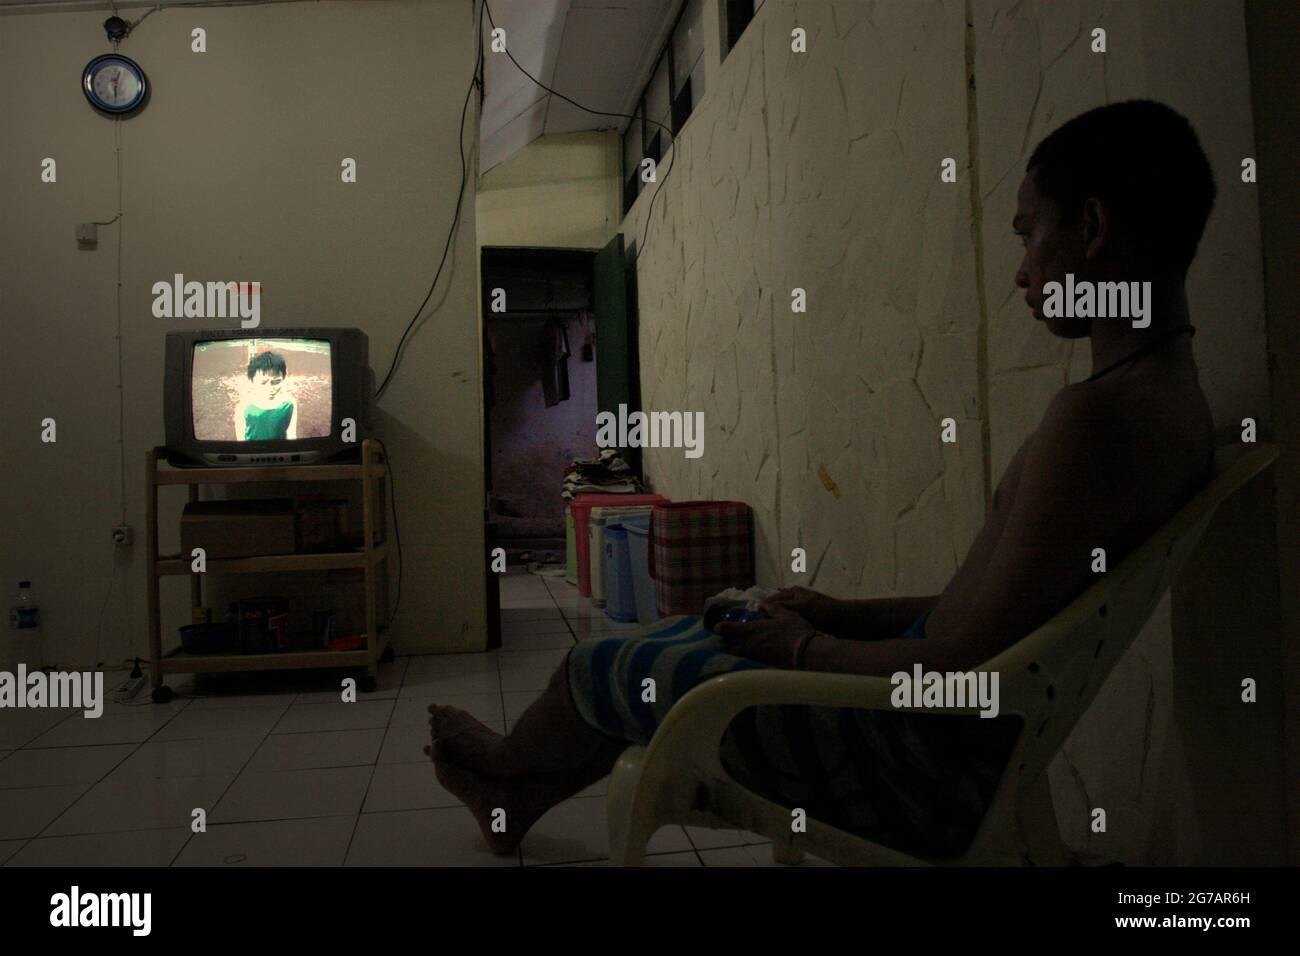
(303, 779)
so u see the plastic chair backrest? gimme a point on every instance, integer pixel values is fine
(1052, 675)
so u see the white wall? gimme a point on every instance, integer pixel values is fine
(232, 171)
(558, 191)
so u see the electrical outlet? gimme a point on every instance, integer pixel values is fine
(87, 233)
(123, 536)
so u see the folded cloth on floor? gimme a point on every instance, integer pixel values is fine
(627, 486)
(606, 474)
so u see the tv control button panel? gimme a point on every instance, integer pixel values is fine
(228, 458)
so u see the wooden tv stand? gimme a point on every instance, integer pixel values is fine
(370, 472)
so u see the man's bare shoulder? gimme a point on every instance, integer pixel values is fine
(1076, 416)
(1085, 437)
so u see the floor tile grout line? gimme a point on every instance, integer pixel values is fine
(518, 851)
(59, 723)
(235, 777)
(92, 786)
(14, 855)
(374, 767)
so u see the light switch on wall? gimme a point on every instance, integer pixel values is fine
(87, 234)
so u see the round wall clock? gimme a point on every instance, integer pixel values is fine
(114, 83)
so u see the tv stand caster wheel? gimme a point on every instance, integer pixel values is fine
(388, 656)
(367, 684)
(162, 695)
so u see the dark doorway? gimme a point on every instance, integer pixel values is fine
(540, 386)
(558, 346)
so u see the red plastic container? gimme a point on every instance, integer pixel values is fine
(581, 507)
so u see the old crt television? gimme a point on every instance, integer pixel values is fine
(266, 396)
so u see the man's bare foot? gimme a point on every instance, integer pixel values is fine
(488, 799)
(467, 741)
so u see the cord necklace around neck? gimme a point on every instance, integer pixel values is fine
(1166, 336)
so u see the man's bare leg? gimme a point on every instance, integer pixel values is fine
(551, 754)
(550, 736)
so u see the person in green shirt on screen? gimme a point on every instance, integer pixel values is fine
(267, 412)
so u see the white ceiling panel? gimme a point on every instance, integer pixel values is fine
(596, 52)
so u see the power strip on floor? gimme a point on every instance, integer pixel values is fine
(132, 687)
(134, 683)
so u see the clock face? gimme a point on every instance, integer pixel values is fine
(113, 83)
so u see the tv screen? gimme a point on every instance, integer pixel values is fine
(283, 396)
(261, 389)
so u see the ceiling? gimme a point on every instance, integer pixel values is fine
(597, 52)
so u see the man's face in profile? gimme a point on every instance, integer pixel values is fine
(1052, 248)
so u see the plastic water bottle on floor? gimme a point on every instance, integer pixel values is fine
(24, 638)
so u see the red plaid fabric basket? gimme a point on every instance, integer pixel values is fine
(698, 548)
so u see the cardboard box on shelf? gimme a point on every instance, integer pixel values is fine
(243, 528)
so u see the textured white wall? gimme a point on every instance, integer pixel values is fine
(821, 171)
(793, 178)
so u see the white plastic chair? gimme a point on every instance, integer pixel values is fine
(1049, 678)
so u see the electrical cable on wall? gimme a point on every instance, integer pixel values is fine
(397, 532)
(476, 80)
(555, 92)
(119, 220)
(117, 293)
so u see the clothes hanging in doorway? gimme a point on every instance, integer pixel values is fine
(555, 377)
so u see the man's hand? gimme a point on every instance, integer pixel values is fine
(773, 641)
(820, 610)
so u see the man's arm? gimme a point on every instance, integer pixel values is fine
(1075, 493)
(292, 431)
(241, 408)
(868, 618)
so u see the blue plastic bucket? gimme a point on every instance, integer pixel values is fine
(643, 586)
(620, 596)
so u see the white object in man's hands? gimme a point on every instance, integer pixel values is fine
(749, 598)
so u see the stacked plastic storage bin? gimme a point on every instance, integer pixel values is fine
(620, 599)
(581, 510)
(599, 520)
(570, 549)
(620, 576)
(643, 586)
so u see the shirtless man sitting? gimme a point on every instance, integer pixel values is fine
(1121, 193)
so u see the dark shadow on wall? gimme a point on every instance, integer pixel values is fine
(1272, 30)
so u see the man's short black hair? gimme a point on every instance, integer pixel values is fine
(267, 362)
(1144, 159)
